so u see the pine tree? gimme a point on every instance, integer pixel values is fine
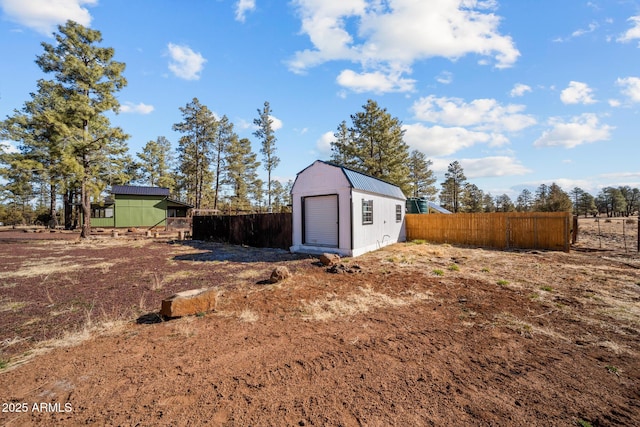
(241, 173)
(504, 203)
(452, 187)
(524, 202)
(586, 204)
(266, 135)
(421, 177)
(472, 198)
(39, 130)
(156, 163)
(374, 145)
(559, 200)
(87, 78)
(488, 203)
(541, 202)
(195, 154)
(342, 147)
(223, 137)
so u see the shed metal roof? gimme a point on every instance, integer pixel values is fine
(438, 208)
(360, 181)
(139, 190)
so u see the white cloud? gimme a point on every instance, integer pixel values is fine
(614, 103)
(323, 144)
(582, 31)
(377, 82)
(445, 78)
(388, 37)
(276, 123)
(519, 89)
(141, 108)
(492, 167)
(242, 7)
(481, 114)
(630, 87)
(441, 141)
(185, 63)
(582, 129)
(8, 147)
(44, 15)
(633, 33)
(577, 93)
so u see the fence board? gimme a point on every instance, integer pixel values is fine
(525, 230)
(259, 230)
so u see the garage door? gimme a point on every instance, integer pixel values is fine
(321, 221)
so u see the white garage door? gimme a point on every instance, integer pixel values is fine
(321, 221)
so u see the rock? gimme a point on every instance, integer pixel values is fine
(279, 274)
(189, 302)
(329, 259)
(341, 268)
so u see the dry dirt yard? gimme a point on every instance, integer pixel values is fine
(421, 334)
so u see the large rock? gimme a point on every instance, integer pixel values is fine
(329, 259)
(279, 274)
(189, 302)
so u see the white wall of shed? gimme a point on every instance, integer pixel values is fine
(384, 230)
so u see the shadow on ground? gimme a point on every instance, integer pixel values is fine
(215, 251)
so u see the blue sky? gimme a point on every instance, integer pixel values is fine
(519, 92)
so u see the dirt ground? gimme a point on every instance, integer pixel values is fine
(417, 334)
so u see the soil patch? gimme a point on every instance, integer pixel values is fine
(422, 335)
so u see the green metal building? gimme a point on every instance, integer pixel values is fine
(136, 206)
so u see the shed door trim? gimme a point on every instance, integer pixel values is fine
(321, 220)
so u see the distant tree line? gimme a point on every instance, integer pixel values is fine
(68, 151)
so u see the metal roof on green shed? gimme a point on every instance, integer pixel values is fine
(135, 190)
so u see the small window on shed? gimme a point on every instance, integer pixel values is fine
(398, 213)
(367, 211)
(102, 213)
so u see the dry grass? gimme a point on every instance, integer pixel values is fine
(70, 339)
(9, 305)
(356, 303)
(57, 265)
(248, 316)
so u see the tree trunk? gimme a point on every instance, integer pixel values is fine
(53, 222)
(86, 210)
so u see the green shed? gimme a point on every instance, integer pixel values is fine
(137, 206)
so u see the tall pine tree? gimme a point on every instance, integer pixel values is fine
(87, 79)
(421, 177)
(195, 152)
(241, 173)
(374, 145)
(266, 134)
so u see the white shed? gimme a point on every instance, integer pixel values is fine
(339, 210)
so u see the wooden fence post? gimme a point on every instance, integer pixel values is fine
(574, 237)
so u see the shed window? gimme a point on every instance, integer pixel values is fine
(367, 211)
(102, 213)
(398, 213)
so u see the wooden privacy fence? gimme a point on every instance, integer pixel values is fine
(258, 230)
(526, 230)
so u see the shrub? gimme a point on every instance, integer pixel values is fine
(438, 272)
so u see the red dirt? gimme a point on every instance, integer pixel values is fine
(503, 338)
